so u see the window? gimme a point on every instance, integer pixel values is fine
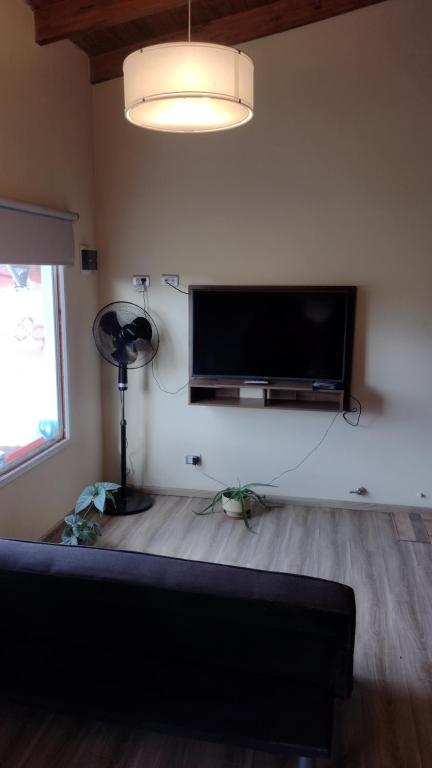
(32, 394)
(34, 242)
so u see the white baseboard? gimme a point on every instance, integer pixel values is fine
(298, 501)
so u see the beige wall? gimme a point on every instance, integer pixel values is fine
(46, 158)
(331, 183)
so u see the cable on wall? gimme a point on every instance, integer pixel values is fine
(146, 307)
(162, 389)
(130, 469)
(309, 454)
(146, 301)
(356, 409)
(210, 477)
(290, 469)
(180, 290)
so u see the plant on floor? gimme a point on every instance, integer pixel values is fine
(236, 501)
(79, 529)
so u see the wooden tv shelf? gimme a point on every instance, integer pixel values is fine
(276, 394)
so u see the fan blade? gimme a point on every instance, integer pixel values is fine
(110, 325)
(125, 354)
(139, 328)
(143, 328)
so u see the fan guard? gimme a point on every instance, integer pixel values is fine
(126, 313)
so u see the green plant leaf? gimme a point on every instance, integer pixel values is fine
(206, 511)
(88, 532)
(85, 499)
(245, 516)
(80, 530)
(237, 493)
(108, 486)
(99, 500)
(247, 523)
(88, 537)
(210, 507)
(230, 493)
(71, 519)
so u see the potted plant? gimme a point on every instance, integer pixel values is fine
(236, 501)
(79, 529)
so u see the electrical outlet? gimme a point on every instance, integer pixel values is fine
(170, 280)
(192, 458)
(140, 282)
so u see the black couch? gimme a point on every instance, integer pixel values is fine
(217, 652)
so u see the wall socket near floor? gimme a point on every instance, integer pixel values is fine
(140, 282)
(170, 280)
(360, 491)
(193, 458)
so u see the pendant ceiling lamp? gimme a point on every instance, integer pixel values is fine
(188, 87)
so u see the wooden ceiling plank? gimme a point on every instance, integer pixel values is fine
(271, 18)
(65, 18)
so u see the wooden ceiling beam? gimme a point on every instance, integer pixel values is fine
(65, 18)
(271, 18)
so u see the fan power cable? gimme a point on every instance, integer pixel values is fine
(162, 389)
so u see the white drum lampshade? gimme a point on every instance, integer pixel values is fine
(188, 87)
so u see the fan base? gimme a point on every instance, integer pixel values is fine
(135, 501)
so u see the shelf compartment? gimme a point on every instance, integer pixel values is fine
(200, 394)
(303, 405)
(275, 395)
(224, 396)
(312, 399)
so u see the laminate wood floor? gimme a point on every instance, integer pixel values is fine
(388, 721)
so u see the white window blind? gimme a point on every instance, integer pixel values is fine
(30, 234)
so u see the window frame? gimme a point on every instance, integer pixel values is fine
(53, 446)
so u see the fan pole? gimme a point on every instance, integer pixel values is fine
(131, 500)
(123, 446)
(123, 385)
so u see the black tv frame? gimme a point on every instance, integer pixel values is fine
(349, 290)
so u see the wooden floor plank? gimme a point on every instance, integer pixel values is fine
(388, 721)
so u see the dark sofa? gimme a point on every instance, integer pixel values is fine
(218, 652)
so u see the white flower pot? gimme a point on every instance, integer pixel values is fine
(233, 507)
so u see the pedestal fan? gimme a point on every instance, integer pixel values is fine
(126, 336)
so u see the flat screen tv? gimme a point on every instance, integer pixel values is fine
(269, 333)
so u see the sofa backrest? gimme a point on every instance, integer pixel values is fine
(135, 612)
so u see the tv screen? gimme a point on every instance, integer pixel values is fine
(272, 333)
